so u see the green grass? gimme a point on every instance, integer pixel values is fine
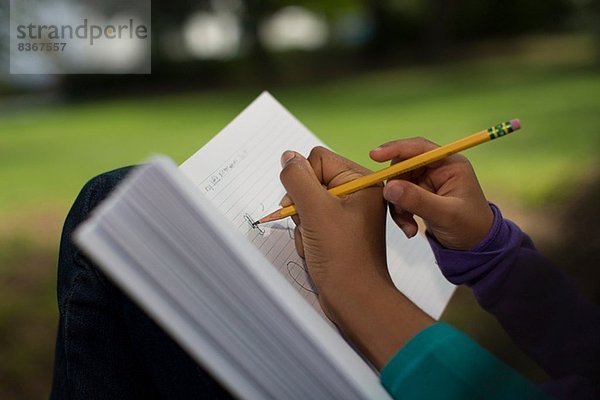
(47, 154)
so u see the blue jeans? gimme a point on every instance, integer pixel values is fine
(106, 347)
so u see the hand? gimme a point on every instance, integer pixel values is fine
(343, 243)
(341, 239)
(445, 194)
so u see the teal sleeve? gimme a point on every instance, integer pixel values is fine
(440, 362)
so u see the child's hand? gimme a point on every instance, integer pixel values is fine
(343, 243)
(445, 194)
(341, 238)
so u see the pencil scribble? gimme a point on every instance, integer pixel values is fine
(253, 225)
(292, 265)
(217, 177)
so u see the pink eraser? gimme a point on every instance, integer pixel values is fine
(515, 124)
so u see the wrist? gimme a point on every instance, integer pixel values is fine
(468, 233)
(477, 266)
(377, 318)
(352, 284)
(492, 234)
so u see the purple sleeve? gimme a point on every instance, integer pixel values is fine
(537, 305)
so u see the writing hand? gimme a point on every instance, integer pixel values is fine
(343, 242)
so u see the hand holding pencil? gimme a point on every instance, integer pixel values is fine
(342, 239)
(418, 160)
(445, 194)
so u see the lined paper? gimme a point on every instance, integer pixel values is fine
(238, 171)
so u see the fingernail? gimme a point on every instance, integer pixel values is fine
(376, 148)
(287, 156)
(393, 193)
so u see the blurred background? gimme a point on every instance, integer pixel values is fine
(357, 73)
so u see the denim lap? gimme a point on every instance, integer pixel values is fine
(106, 346)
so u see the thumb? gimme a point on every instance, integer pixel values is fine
(407, 196)
(300, 182)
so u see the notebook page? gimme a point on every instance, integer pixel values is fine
(238, 171)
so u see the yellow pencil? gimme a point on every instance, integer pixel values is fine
(407, 165)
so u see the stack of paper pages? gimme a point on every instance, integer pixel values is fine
(237, 298)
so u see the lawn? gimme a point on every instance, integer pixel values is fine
(46, 154)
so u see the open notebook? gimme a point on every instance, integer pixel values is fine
(237, 298)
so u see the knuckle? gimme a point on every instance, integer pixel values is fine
(317, 152)
(462, 159)
(427, 143)
(463, 165)
(462, 162)
(444, 174)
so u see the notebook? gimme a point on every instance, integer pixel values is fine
(237, 298)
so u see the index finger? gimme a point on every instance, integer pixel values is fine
(402, 149)
(332, 169)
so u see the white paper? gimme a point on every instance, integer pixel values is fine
(238, 170)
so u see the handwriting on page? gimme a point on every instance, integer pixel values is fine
(299, 274)
(245, 187)
(276, 242)
(224, 170)
(296, 271)
(252, 223)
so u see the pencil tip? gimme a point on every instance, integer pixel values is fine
(255, 224)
